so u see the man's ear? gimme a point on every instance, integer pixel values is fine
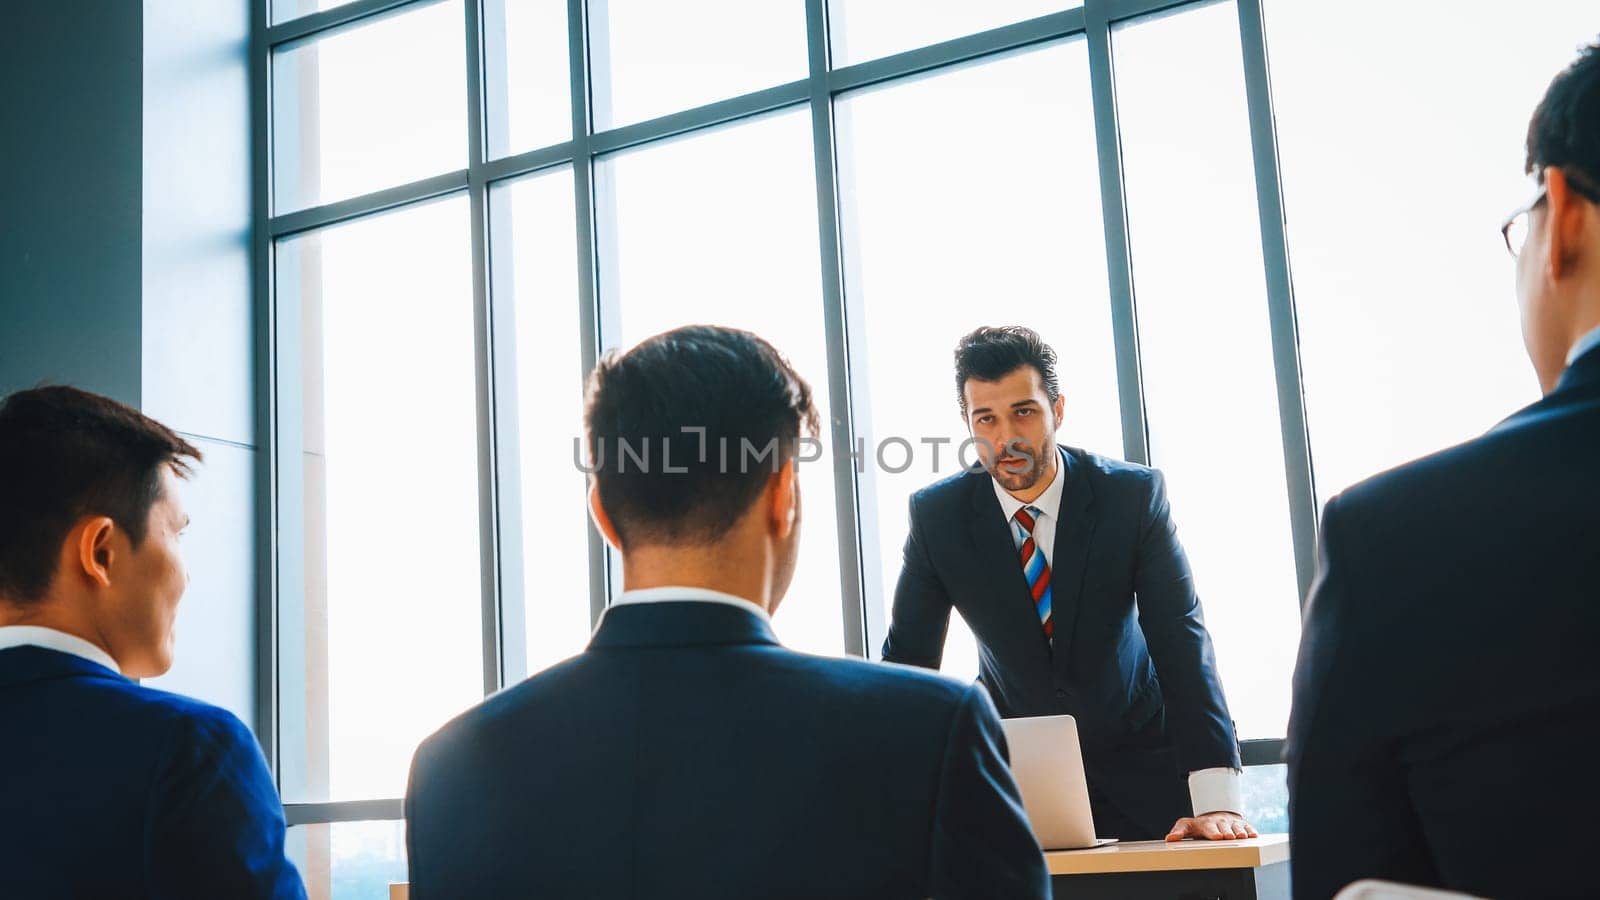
(94, 556)
(1060, 408)
(783, 493)
(1564, 228)
(601, 520)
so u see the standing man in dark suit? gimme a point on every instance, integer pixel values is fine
(109, 789)
(686, 753)
(1068, 570)
(1447, 695)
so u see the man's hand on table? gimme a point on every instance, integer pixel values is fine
(1215, 826)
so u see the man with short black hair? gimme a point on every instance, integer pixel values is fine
(1067, 568)
(1447, 694)
(110, 789)
(686, 753)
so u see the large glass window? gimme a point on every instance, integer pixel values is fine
(368, 107)
(383, 626)
(654, 58)
(349, 860)
(285, 10)
(970, 198)
(867, 29)
(1396, 176)
(1205, 346)
(527, 84)
(534, 232)
(437, 294)
(693, 247)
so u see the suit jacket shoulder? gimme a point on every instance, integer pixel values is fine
(179, 803)
(949, 496)
(1545, 447)
(215, 818)
(906, 690)
(896, 686)
(199, 727)
(179, 711)
(1435, 578)
(1106, 467)
(154, 717)
(1119, 484)
(1442, 544)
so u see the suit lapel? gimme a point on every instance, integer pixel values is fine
(1069, 559)
(996, 551)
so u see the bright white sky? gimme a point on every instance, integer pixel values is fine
(970, 197)
(1205, 345)
(721, 228)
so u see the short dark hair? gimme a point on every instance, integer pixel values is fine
(731, 383)
(992, 353)
(64, 454)
(1565, 128)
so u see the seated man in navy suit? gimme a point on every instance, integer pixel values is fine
(686, 753)
(1447, 695)
(110, 789)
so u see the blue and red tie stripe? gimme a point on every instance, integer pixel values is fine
(1034, 566)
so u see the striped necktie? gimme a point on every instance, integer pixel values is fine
(1034, 567)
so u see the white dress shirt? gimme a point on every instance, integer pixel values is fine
(691, 594)
(1049, 506)
(51, 639)
(1584, 345)
(1210, 790)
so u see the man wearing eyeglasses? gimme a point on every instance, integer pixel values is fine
(1447, 695)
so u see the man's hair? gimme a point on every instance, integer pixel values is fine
(992, 353)
(1565, 128)
(66, 454)
(645, 412)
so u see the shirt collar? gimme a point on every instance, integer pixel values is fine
(1048, 503)
(1584, 345)
(59, 641)
(690, 594)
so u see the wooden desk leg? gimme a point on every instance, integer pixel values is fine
(1264, 883)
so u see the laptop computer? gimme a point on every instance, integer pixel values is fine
(1047, 764)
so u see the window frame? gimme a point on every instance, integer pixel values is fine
(865, 617)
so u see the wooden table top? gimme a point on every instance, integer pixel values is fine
(1154, 856)
(1138, 856)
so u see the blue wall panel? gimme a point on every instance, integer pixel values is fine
(70, 126)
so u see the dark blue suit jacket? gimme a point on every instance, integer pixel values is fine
(688, 754)
(1447, 695)
(109, 789)
(1132, 660)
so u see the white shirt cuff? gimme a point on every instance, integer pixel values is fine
(1216, 790)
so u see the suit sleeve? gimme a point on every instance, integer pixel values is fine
(1180, 646)
(983, 845)
(1348, 807)
(921, 615)
(216, 824)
